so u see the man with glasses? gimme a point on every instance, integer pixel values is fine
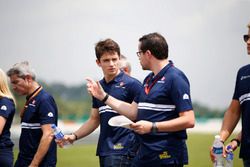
(163, 109)
(239, 107)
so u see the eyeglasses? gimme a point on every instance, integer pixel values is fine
(139, 53)
(246, 38)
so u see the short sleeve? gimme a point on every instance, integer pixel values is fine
(6, 107)
(236, 93)
(48, 111)
(180, 93)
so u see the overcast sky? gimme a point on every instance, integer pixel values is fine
(58, 38)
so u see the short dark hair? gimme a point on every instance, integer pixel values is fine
(106, 46)
(156, 44)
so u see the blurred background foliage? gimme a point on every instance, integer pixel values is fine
(74, 103)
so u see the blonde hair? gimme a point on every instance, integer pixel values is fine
(4, 88)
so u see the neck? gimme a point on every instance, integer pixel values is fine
(158, 65)
(33, 87)
(109, 78)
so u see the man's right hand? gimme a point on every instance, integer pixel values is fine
(66, 140)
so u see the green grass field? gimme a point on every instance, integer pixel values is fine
(84, 155)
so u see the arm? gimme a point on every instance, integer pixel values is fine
(122, 107)
(2, 124)
(231, 118)
(43, 146)
(185, 120)
(92, 123)
(88, 127)
(95, 89)
(234, 144)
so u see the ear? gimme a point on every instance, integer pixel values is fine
(98, 62)
(148, 54)
(28, 77)
(125, 69)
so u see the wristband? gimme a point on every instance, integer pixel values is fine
(154, 128)
(74, 135)
(237, 141)
(105, 98)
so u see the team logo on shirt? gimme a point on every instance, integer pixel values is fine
(33, 103)
(244, 77)
(50, 114)
(121, 85)
(164, 155)
(162, 80)
(118, 146)
(185, 97)
(4, 107)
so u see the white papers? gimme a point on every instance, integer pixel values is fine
(120, 121)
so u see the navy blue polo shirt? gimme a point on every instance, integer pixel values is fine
(41, 110)
(242, 94)
(116, 140)
(7, 110)
(169, 95)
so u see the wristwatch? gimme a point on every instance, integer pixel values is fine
(154, 128)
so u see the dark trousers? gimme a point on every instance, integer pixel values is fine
(158, 165)
(246, 162)
(6, 157)
(25, 163)
(115, 161)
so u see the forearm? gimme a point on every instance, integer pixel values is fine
(42, 150)
(231, 118)
(123, 108)
(186, 120)
(87, 128)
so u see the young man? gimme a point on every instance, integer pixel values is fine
(163, 109)
(239, 107)
(36, 145)
(116, 145)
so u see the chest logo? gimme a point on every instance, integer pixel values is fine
(120, 85)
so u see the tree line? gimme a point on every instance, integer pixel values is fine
(74, 103)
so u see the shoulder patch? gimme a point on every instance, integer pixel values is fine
(4, 107)
(185, 96)
(50, 114)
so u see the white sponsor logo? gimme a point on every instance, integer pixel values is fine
(244, 77)
(4, 107)
(185, 97)
(50, 114)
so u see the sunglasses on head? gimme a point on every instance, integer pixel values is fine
(246, 38)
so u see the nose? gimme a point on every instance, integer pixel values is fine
(111, 62)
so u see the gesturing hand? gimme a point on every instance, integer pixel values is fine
(95, 89)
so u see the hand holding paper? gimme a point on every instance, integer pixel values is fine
(120, 121)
